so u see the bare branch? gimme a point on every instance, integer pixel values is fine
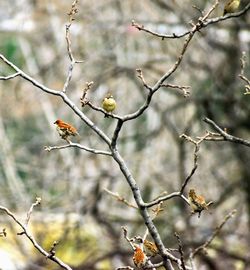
(156, 265)
(225, 135)
(116, 133)
(125, 235)
(52, 251)
(184, 89)
(140, 75)
(180, 193)
(227, 16)
(180, 251)
(241, 75)
(125, 268)
(215, 233)
(77, 145)
(65, 98)
(206, 22)
(73, 11)
(71, 14)
(3, 233)
(33, 241)
(141, 27)
(9, 77)
(163, 198)
(87, 87)
(160, 82)
(196, 150)
(37, 202)
(120, 198)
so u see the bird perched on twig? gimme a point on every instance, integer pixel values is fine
(197, 202)
(139, 257)
(231, 6)
(65, 130)
(108, 104)
(150, 248)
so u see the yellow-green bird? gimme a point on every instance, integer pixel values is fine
(231, 6)
(108, 104)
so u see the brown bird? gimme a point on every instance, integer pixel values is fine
(197, 202)
(139, 258)
(65, 130)
(150, 248)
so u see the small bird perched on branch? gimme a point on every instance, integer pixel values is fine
(231, 6)
(108, 104)
(65, 130)
(197, 202)
(150, 248)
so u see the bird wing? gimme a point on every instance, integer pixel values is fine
(200, 200)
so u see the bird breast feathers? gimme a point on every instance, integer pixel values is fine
(234, 5)
(109, 104)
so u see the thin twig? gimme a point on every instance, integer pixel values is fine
(163, 198)
(215, 233)
(180, 251)
(152, 90)
(184, 89)
(195, 166)
(52, 251)
(33, 241)
(87, 87)
(125, 235)
(125, 268)
(5, 78)
(71, 14)
(37, 202)
(141, 77)
(206, 23)
(120, 198)
(196, 150)
(225, 135)
(242, 76)
(3, 233)
(77, 145)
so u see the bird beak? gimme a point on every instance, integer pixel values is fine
(55, 122)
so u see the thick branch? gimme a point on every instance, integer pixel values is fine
(144, 212)
(116, 133)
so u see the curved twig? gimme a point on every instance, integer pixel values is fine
(77, 145)
(33, 241)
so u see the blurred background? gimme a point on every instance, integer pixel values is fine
(75, 209)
